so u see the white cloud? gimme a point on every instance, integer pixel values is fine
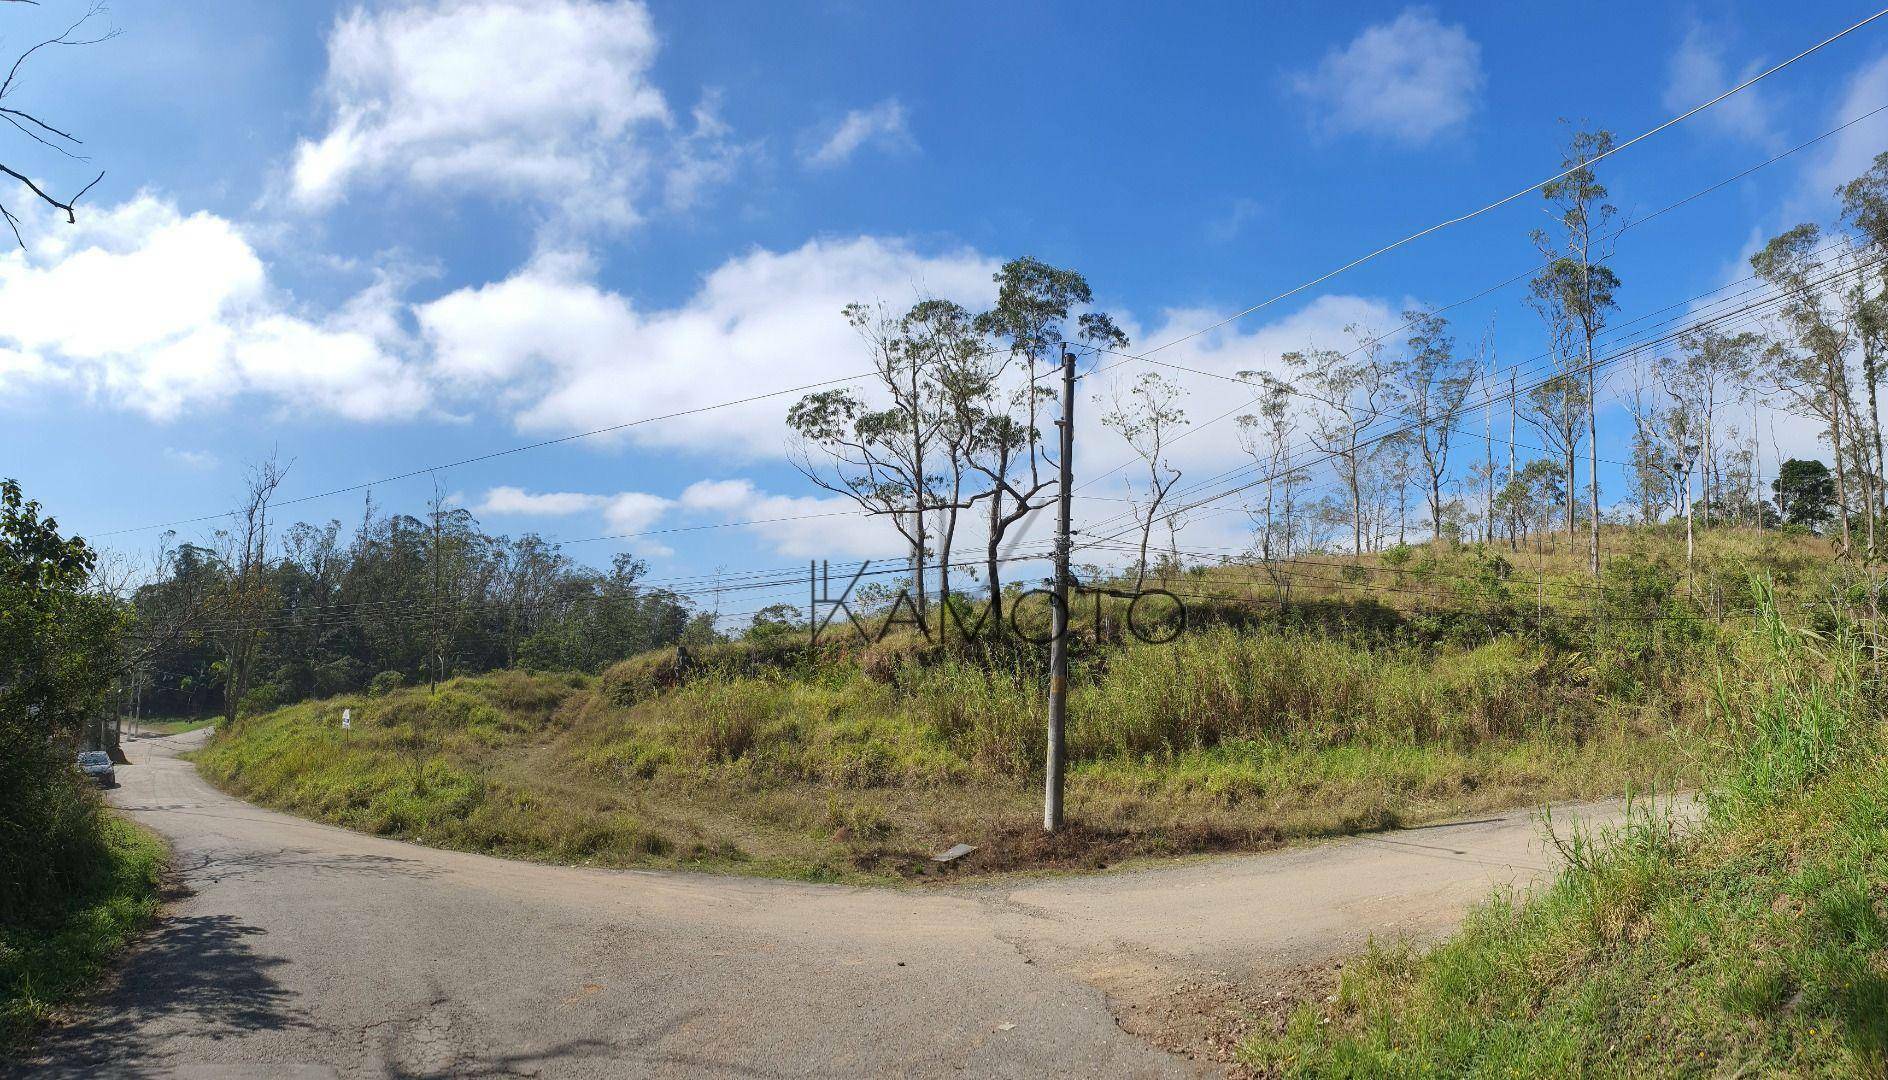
(1699, 73)
(568, 355)
(1850, 153)
(883, 125)
(191, 459)
(515, 500)
(628, 511)
(1409, 80)
(548, 100)
(158, 311)
(1227, 226)
(634, 511)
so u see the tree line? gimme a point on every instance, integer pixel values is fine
(253, 619)
(1411, 434)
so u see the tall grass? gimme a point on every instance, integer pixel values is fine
(1234, 733)
(1755, 943)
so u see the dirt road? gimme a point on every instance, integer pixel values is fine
(302, 950)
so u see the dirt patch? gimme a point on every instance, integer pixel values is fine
(1079, 846)
(1203, 1016)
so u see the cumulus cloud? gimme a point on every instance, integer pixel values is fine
(158, 311)
(883, 125)
(1409, 80)
(1699, 73)
(545, 100)
(628, 511)
(570, 355)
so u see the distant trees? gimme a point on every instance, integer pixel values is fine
(275, 615)
(1147, 419)
(1350, 392)
(1266, 438)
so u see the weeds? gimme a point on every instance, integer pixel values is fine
(1256, 732)
(1754, 944)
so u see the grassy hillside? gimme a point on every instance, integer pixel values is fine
(1331, 696)
(860, 766)
(1754, 945)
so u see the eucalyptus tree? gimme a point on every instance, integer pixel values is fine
(1710, 370)
(879, 457)
(1038, 311)
(1354, 391)
(1147, 419)
(1578, 284)
(961, 380)
(1433, 382)
(1266, 438)
(1654, 485)
(1557, 405)
(1865, 209)
(1807, 361)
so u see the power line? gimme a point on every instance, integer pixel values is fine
(505, 453)
(1126, 357)
(1530, 189)
(1747, 311)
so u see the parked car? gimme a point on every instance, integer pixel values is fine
(97, 765)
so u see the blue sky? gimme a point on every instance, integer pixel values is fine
(377, 237)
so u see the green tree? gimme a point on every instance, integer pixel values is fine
(1805, 492)
(58, 654)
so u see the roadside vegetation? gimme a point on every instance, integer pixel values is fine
(75, 882)
(1755, 944)
(1265, 721)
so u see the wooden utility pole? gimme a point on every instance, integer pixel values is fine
(1059, 640)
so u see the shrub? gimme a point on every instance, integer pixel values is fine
(259, 700)
(385, 683)
(642, 676)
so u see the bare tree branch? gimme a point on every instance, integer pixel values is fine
(64, 38)
(36, 129)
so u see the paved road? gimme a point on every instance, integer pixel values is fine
(300, 949)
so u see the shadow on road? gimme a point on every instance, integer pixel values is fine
(199, 976)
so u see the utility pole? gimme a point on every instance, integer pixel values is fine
(1059, 640)
(435, 683)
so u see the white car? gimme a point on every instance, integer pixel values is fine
(97, 765)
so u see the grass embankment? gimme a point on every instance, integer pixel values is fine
(859, 767)
(1755, 944)
(52, 951)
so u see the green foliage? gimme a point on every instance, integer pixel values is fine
(753, 755)
(54, 952)
(1806, 492)
(1754, 943)
(73, 881)
(260, 699)
(385, 683)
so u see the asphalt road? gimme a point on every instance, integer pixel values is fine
(302, 950)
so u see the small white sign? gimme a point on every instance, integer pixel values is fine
(347, 719)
